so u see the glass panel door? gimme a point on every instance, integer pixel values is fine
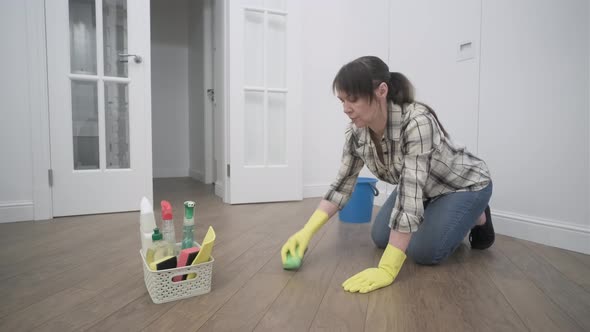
(85, 125)
(99, 84)
(265, 76)
(83, 36)
(99, 110)
(114, 15)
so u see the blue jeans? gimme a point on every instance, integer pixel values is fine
(447, 220)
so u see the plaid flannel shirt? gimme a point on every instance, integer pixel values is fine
(418, 158)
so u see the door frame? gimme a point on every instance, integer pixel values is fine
(146, 52)
(39, 109)
(208, 83)
(220, 30)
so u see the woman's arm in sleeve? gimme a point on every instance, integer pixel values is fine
(342, 187)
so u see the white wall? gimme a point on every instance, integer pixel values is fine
(170, 101)
(424, 45)
(425, 52)
(16, 170)
(335, 32)
(534, 118)
(196, 87)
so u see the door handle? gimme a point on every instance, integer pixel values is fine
(136, 57)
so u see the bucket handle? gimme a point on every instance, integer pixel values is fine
(375, 190)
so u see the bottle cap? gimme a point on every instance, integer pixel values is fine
(189, 209)
(156, 235)
(166, 210)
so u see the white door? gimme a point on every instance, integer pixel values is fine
(99, 104)
(264, 100)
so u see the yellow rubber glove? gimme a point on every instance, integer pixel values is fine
(377, 277)
(297, 243)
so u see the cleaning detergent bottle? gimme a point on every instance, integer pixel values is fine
(168, 223)
(188, 225)
(147, 223)
(159, 248)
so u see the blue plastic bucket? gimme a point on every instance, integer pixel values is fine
(359, 208)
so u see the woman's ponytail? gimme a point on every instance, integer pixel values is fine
(401, 90)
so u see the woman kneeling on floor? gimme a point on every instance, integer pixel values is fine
(442, 190)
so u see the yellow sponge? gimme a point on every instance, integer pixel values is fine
(292, 262)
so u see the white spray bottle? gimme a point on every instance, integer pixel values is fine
(147, 223)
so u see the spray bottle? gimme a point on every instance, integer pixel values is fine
(168, 223)
(147, 223)
(188, 225)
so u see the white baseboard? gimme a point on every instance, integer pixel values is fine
(219, 190)
(548, 232)
(197, 175)
(11, 211)
(170, 172)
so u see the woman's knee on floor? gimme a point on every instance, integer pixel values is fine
(379, 238)
(426, 255)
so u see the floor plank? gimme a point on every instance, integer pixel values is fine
(69, 269)
(585, 259)
(418, 292)
(133, 316)
(572, 298)
(44, 310)
(570, 265)
(537, 311)
(483, 304)
(108, 301)
(295, 307)
(245, 307)
(55, 249)
(340, 310)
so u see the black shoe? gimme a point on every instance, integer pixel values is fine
(482, 237)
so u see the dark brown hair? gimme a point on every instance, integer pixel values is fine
(360, 78)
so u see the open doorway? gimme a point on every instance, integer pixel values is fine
(257, 94)
(186, 137)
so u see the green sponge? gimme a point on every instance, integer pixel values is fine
(292, 262)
